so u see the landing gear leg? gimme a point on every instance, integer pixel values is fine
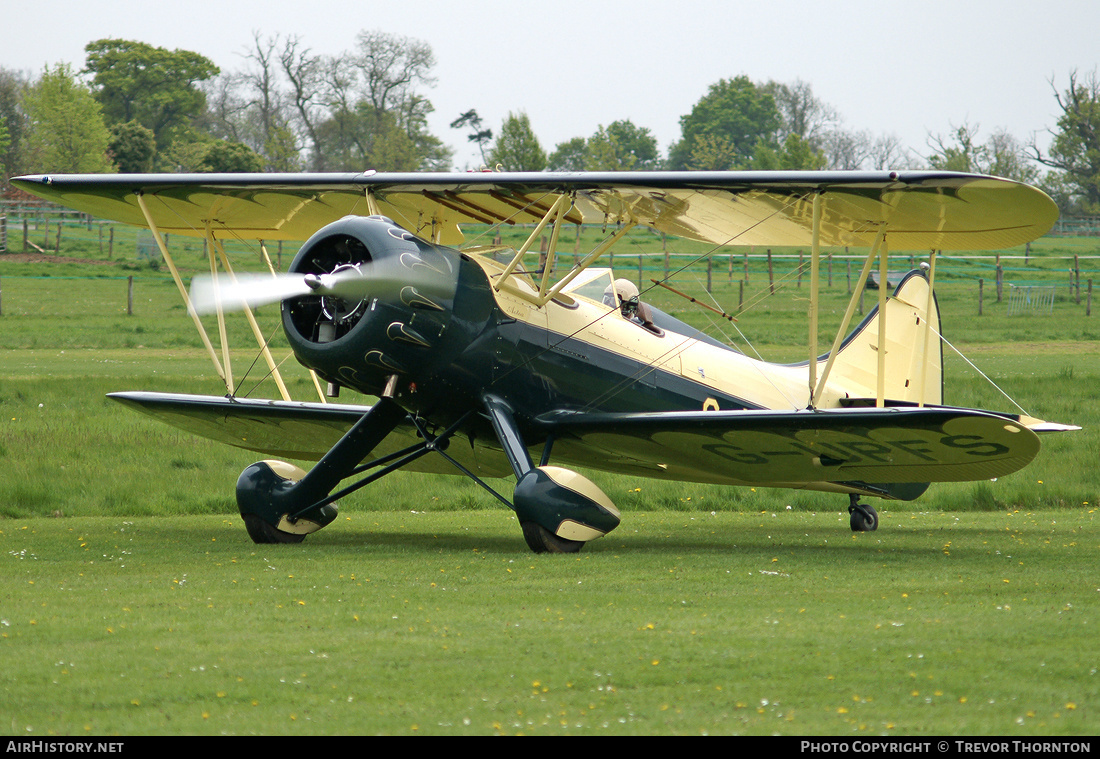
(280, 503)
(864, 518)
(558, 509)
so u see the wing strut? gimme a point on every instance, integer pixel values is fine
(927, 326)
(842, 331)
(217, 252)
(883, 270)
(511, 267)
(815, 260)
(179, 283)
(215, 245)
(212, 245)
(559, 212)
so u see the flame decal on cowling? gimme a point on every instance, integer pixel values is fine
(410, 296)
(381, 360)
(403, 333)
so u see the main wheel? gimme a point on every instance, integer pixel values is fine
(864, 518)
(541, 540)
(263, 532)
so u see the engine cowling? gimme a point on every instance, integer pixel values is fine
(398, 324)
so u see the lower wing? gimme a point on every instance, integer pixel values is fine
(838, 449)
(891, 452)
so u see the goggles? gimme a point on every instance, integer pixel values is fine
(628, 307)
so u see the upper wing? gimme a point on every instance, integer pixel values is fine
(920, 210)
(799, 448)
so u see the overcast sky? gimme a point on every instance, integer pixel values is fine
(902, 68)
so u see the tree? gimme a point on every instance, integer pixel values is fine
(363, 138)
(1002, 155)
(267, 114)
(621, 146)
(12, 122)
(795, 154)
(252, 107)
(516, 147)
(481, 137)
(157, 88)
(372, 96)
(66, 130)
(568, 156)
(223, 156)
(887, 153)
(734, 115)
(846, 150)
(132, 147)
(801, 113)
(305, 73)
(1075, 150)
(391, 67)
(712, 152)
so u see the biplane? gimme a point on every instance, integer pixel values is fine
(534, 365)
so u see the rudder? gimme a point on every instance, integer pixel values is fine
(914, 352)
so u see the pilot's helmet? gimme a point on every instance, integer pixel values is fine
(626, 293)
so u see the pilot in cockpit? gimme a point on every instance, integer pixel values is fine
(624, 294)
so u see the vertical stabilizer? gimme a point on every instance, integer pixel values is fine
(914, 353)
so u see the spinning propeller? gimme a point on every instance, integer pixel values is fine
(234, 293)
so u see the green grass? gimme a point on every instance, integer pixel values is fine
(436, 623)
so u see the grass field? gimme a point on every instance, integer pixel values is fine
(133, 602)
(440, 623)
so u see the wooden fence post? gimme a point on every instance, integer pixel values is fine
(1077, 278)
(981, 286)
(130, 296)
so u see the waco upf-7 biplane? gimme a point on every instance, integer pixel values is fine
(485, 367)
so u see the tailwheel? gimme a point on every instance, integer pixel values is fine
(541, 540)
(864, 518)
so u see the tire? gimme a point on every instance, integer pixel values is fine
(263, 533)
(541, 540)
(864, 518)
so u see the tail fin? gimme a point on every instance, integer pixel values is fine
(914, 354)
